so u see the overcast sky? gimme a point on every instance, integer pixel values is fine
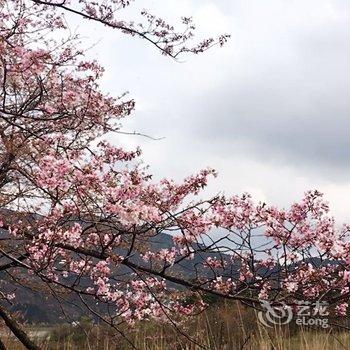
(269, 111)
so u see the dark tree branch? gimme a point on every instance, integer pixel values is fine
(17, 331)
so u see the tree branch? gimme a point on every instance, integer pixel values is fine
(17, 331)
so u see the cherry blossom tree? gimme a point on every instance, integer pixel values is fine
(83, 218)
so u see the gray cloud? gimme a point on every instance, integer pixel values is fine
(270, 110)
(293, 104)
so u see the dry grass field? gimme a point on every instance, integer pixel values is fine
(224, 327)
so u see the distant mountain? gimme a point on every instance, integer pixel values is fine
(35, 306)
